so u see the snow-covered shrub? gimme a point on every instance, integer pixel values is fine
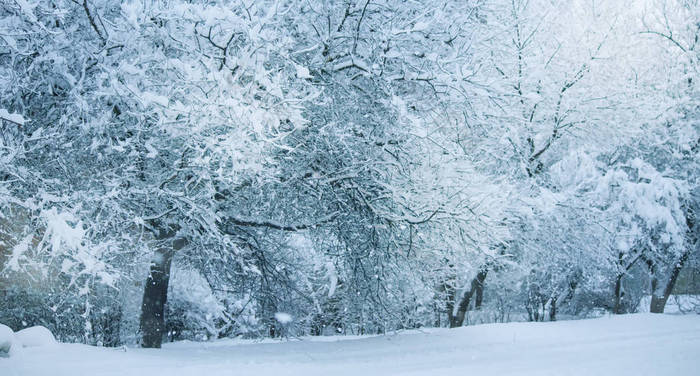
(23, 307)
(52, 275)
(64, 313)
(193, 310)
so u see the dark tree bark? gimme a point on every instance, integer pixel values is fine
(617, 307)
(477, 283)
(530, 308)
(458, 319)
(658, 303)
(155, 295)
(553, 309)
(479, 294)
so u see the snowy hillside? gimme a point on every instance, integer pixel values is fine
(642, 344)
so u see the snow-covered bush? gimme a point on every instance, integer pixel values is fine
(193, 310)
(64, 313)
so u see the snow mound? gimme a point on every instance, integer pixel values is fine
(6, 339)
(35, 336)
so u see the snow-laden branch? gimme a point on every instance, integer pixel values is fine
(12, 118)
(248, 222)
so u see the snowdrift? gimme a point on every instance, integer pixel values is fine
(6, 339)
(34, 337)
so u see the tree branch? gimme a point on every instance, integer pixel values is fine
(92, 22)
(359, 23)
(244, 222)
(669, 37)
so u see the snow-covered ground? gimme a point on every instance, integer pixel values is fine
(640, 344)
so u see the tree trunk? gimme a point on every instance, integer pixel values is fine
(553, 309)
(624, 268)
(530, 307)
(617, 308)
(479, 297)
(155, 295)
(658, 303)
(447, 287)
(477, 283)
(458, 319)
(544, 308)
(450, 302)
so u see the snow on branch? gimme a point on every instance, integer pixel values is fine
(12, 118)
(277, 225)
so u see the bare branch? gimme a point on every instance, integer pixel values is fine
(669, 37)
